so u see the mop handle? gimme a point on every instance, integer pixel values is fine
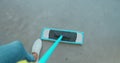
(45, 57)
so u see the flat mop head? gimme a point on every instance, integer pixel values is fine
(69, 36)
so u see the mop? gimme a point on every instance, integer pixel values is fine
(59, 35)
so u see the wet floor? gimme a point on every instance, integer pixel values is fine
(100, 20)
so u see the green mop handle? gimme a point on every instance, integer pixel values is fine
(45, 57)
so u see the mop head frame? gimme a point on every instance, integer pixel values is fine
(45, 35)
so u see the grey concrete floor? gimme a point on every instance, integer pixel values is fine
(100, 20)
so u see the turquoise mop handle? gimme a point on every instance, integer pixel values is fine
(45, 57)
